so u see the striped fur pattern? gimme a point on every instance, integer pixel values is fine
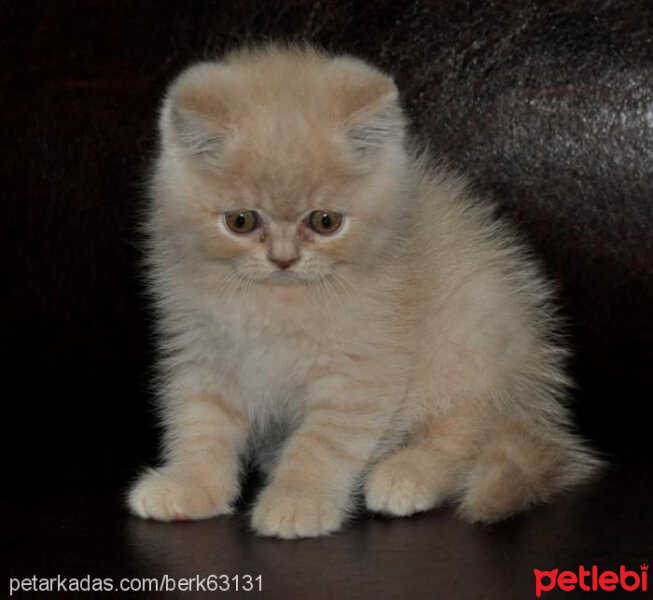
(410, 358)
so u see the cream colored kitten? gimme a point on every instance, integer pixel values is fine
(318, 283)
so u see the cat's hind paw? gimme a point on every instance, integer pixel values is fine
(401, 486)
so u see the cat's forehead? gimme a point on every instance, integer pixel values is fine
(287, 172)
(284, 199)
(288, 129)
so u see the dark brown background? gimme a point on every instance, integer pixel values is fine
(547, 106)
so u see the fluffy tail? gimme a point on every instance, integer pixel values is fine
(520, 465)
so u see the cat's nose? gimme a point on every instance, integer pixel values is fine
(284, 263)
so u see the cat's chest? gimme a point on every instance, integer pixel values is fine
(273, 353)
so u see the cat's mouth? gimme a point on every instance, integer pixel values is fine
(285, 277)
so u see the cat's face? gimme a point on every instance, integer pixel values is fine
(286, 174)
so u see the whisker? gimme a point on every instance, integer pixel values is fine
(225, 282)
(346, 283)
(329, 284)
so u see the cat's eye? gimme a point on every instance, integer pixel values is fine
(242, 221)
(324, 221)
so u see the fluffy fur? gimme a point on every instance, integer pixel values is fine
(412, 355)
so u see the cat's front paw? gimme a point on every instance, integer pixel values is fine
(170, 494)
(288, 514)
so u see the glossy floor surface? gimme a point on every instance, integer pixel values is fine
(85, 531)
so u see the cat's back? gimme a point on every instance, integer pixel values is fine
(482, 308)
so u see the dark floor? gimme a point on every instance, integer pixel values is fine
(84, 530)
(71, 458)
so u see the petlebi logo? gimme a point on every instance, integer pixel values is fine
(591, 580)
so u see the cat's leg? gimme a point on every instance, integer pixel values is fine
(311, 488)
(204, 436)
(490, 355)
(494, 469)
(426, 472)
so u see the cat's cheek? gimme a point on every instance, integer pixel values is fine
(288, 514)
(218, 245)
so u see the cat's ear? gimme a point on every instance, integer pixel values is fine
(195, 117)
(369, 107)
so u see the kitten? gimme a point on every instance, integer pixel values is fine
(318, 283)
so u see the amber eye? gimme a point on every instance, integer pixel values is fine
(241, 221)
(324, 221)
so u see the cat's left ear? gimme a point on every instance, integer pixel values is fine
(369, 107)
(195, 117)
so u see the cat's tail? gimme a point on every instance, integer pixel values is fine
(519, 465)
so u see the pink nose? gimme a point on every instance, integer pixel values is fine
(284, 263)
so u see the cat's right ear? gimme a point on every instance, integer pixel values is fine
(368, 106)
(194, 117)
